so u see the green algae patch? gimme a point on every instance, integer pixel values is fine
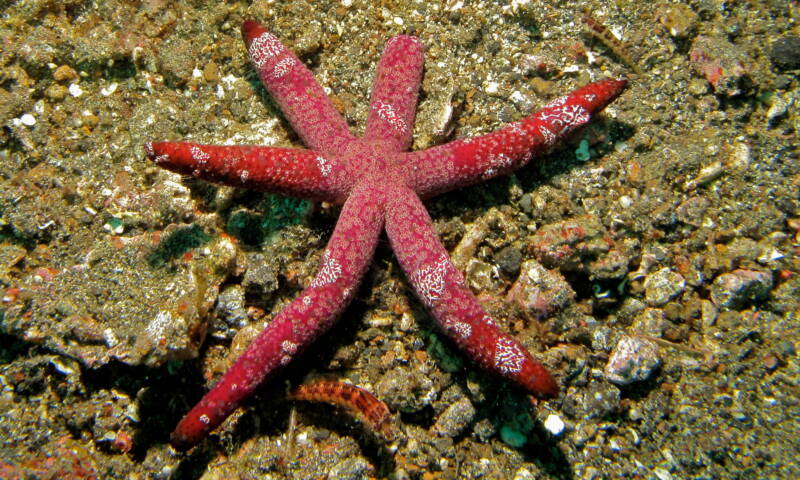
(274, 213)
(176, 244)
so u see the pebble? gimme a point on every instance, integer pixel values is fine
(455, 418)
(734, 290)
(406, 389)
(662, 286)
(28, 120)
(56, 92)
(777, 110)
(721, 62)
(75, 90)
(354, 468)
(785, 53)
(260, 278)
(540, 291)
(64, 72)
(554, 424)
(231, 310)
(634, 359)
(597, 400)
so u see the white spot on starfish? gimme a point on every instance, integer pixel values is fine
(508, 357)
(565, 118)
(198, 154)
(283, 67)
(387, 113)
(429, 280)
(264, 47)
(463, 330)
(288, 347)
(204, 419)
(324, 166)
(329, 271)
(549, 137)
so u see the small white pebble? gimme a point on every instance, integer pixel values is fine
(554, 424)
(28, 120)
(625, 201)
(492, 88)
(75, 90)
(398, 21)
(347, 3)
(197, 73)
(106, 91)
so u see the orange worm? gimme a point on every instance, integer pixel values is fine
(362, 404)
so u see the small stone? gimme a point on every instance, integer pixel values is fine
(28, 120)
(650, 322)
(406, 389)
(509, 259)
(540, 291)
(75, 90)
(64, 72)
(211, 72)
(740, 287)
(455, 418)
(231, 312)
(634, 359)
(662, 286)
(597, 400)
(785, 53)
(554, 424)
(778, 108)
(56, 92)
(481, 276)
(722, 63)
(260, 278)
(351, 468)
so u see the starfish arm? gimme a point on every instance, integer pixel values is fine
(394, 93)
(346, 257)
(468, 161)
(441, 288)
(292, 85)
(289, 171)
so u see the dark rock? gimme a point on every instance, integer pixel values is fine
(785, 53)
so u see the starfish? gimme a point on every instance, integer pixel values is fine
(380, 185)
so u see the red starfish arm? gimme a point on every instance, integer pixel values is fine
(467, 161)
(441, 288)
(289, 171)
(394, 93)
(294, 88)
(346, 257)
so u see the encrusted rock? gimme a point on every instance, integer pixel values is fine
(722, 63)
(634, 359)
(597, 400)
(540, 291)
(455, 418)
(736, 289)
(406, 389)
(662, 286)
(785, 53)
(231, 312)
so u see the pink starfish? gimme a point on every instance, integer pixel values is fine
(380, 186)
